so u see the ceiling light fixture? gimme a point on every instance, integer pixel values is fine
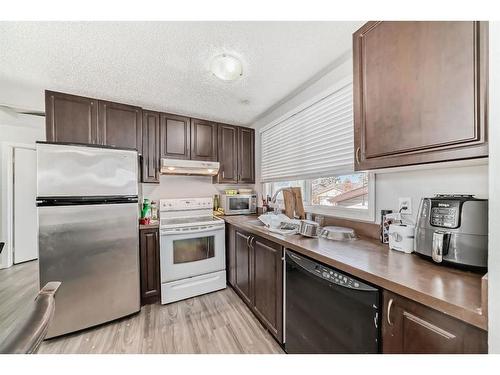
(226, 67)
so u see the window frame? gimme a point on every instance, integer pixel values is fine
(336, 211)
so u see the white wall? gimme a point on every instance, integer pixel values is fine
(14, 129)
(494, 187)
(184, 187)
(417, 184)
(180, 187)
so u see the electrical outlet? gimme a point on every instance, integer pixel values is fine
(405, 202)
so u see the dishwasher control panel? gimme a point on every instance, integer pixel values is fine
(330, 274)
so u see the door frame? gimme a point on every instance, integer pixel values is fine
(7, 199)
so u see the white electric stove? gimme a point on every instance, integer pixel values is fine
(192, 249)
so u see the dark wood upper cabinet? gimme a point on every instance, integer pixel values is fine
(203, 140)
(246, 155)
(228, 154)
(119, 125)
(236, 155)
(420, 92)
(151, 147)
(268, 284)
(411, 328)
(150, 265)
(70, 118)
(175, 136)
(76, 119)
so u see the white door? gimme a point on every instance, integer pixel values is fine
(25, 242)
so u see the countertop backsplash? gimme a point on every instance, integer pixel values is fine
(186, 187)
(180, 187)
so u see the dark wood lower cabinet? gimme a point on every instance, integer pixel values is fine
(243, 266)
(411, 328)
(255, 271)
(268, 284)
(150, 265)
(230, 254)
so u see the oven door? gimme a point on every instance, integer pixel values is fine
(191, 252)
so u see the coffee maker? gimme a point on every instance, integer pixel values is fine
(453, 230)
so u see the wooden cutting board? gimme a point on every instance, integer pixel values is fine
(298, 203)
(289, 200)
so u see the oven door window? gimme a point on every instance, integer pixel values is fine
(237, 204)
(193, 249)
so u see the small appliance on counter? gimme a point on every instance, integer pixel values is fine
(402, 237)
(453, 229)
(238, 204)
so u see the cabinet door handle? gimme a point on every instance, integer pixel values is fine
(389, 305)
(222, 174)
(357, 154)
(447, 335)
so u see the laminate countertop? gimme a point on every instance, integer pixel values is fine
(451, 291)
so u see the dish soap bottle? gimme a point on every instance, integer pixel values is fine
(146, 211)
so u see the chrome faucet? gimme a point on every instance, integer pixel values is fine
(273, 204)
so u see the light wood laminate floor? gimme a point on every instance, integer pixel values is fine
(217, 322)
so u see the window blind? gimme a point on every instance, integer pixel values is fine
(317, 141)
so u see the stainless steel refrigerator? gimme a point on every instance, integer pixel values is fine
(87, 203)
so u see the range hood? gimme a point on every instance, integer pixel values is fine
(189, 167)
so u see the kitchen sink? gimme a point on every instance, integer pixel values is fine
(256, 223)
(260, 224)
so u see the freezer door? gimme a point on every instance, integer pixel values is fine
(94, 251)
(72, 171)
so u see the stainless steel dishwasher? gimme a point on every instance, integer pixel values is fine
(327, 311)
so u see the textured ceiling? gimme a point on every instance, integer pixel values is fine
(164, 65)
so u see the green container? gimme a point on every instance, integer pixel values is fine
(146, 208)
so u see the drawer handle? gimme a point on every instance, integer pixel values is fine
(357, 154)
(447, 335)
(389, 305)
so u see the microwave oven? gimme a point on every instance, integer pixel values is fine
(239, 204)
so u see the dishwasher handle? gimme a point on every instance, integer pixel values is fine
(328, 274)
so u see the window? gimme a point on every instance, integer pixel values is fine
(346, 195)
(349, 191)
(316, 140)
(313, 147)
(275, 186)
